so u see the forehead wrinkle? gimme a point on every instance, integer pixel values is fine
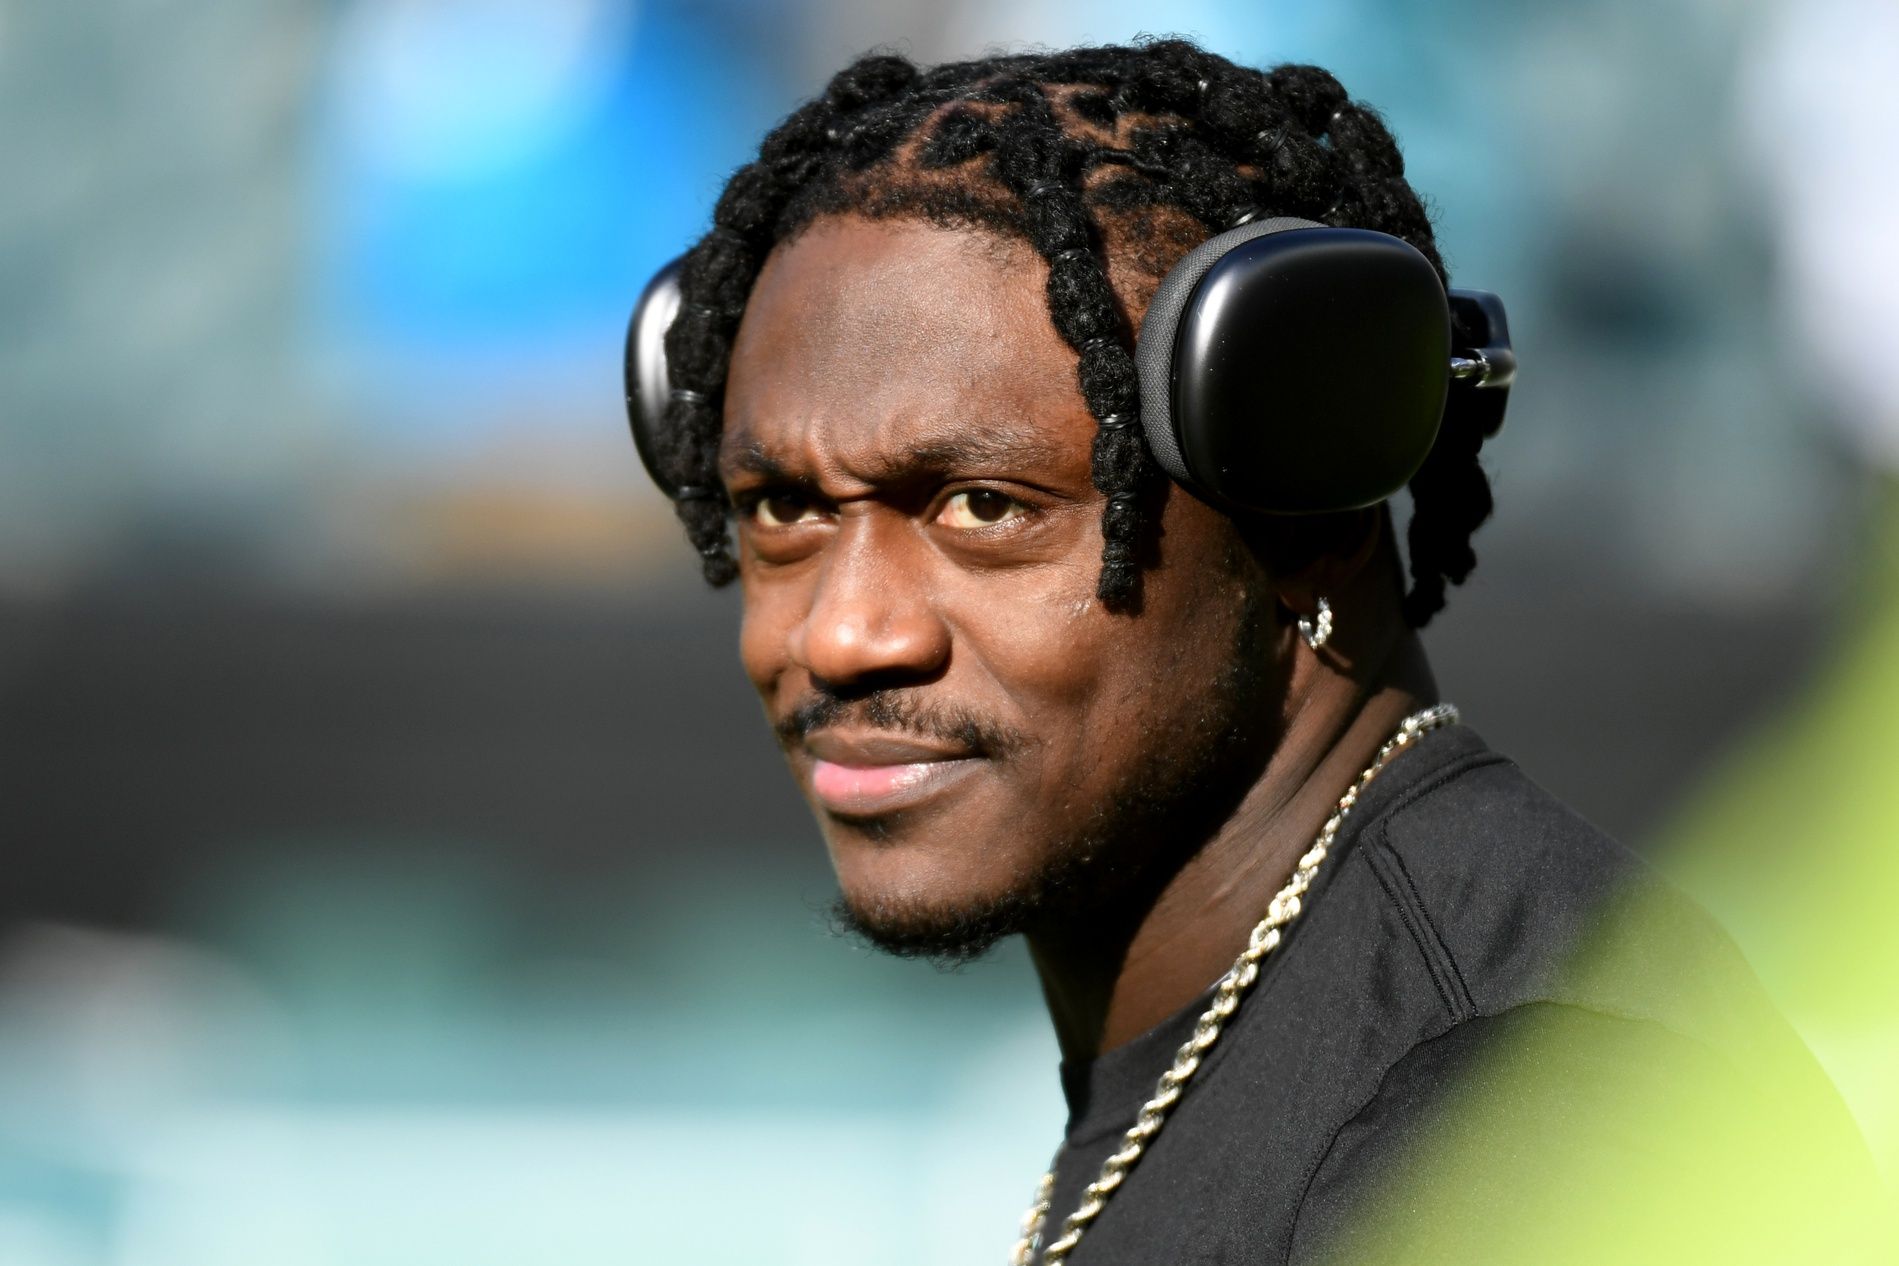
(894, 452)
(994, 450)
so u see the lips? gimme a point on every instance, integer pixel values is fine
(872, 774)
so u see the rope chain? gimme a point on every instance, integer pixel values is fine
(1266, 936)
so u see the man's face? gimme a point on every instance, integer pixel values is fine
(919, 542)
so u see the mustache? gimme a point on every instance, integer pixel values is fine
(898, 712)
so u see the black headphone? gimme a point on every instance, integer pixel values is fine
(1285, 367)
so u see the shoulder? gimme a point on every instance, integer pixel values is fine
(1593, 1030)
(1476, 845)
(1553, 1132)
(1513, 898)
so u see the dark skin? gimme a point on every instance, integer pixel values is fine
(919, 542)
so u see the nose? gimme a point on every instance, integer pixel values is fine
(871, 620)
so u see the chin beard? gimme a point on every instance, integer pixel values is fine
(1139, 836)
(945, 938)
(952, 936)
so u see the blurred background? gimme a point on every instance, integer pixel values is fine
(396, 868)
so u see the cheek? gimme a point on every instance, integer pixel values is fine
(1033, 634)
(1088, 682)
(1099, 689)
(771, 613)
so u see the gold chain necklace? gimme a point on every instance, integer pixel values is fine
(1239, 978)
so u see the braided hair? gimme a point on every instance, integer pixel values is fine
(1111, 162)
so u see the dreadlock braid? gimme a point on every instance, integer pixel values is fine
(1450, 499)
(1043, 168)
(716, 281)
(1111, 163)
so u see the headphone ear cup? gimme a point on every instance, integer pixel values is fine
(1291, 368)
(648, 384)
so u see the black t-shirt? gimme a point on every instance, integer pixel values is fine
(1492, 1031)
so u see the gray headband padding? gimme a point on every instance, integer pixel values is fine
(1154, 350)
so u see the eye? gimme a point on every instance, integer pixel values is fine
(782, 509)
(979, 507)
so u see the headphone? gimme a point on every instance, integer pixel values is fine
(1285, 367)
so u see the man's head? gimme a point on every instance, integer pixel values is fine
(1015, 670)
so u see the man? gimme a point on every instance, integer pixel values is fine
(1283, 908)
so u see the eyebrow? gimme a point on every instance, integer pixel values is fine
(998, 450)
(751, 457)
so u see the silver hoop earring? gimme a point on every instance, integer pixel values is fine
(1317, 630)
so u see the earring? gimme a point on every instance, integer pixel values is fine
(1317, 630)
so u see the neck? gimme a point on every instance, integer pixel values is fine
(1109, 980)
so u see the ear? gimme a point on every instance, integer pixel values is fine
(1323, 555)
